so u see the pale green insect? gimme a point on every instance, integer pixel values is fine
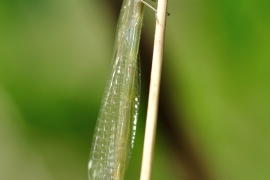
(116, 124)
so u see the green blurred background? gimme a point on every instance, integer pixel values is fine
(215, 95)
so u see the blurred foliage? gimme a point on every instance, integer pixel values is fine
(54, 58)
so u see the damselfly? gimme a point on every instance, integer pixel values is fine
(116, 124)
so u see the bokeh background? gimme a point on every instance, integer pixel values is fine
(214, 116)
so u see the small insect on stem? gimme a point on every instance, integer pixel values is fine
(116, 124)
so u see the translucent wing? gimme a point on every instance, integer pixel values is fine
(116, 124)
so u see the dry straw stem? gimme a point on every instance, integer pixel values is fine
(152, 109)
